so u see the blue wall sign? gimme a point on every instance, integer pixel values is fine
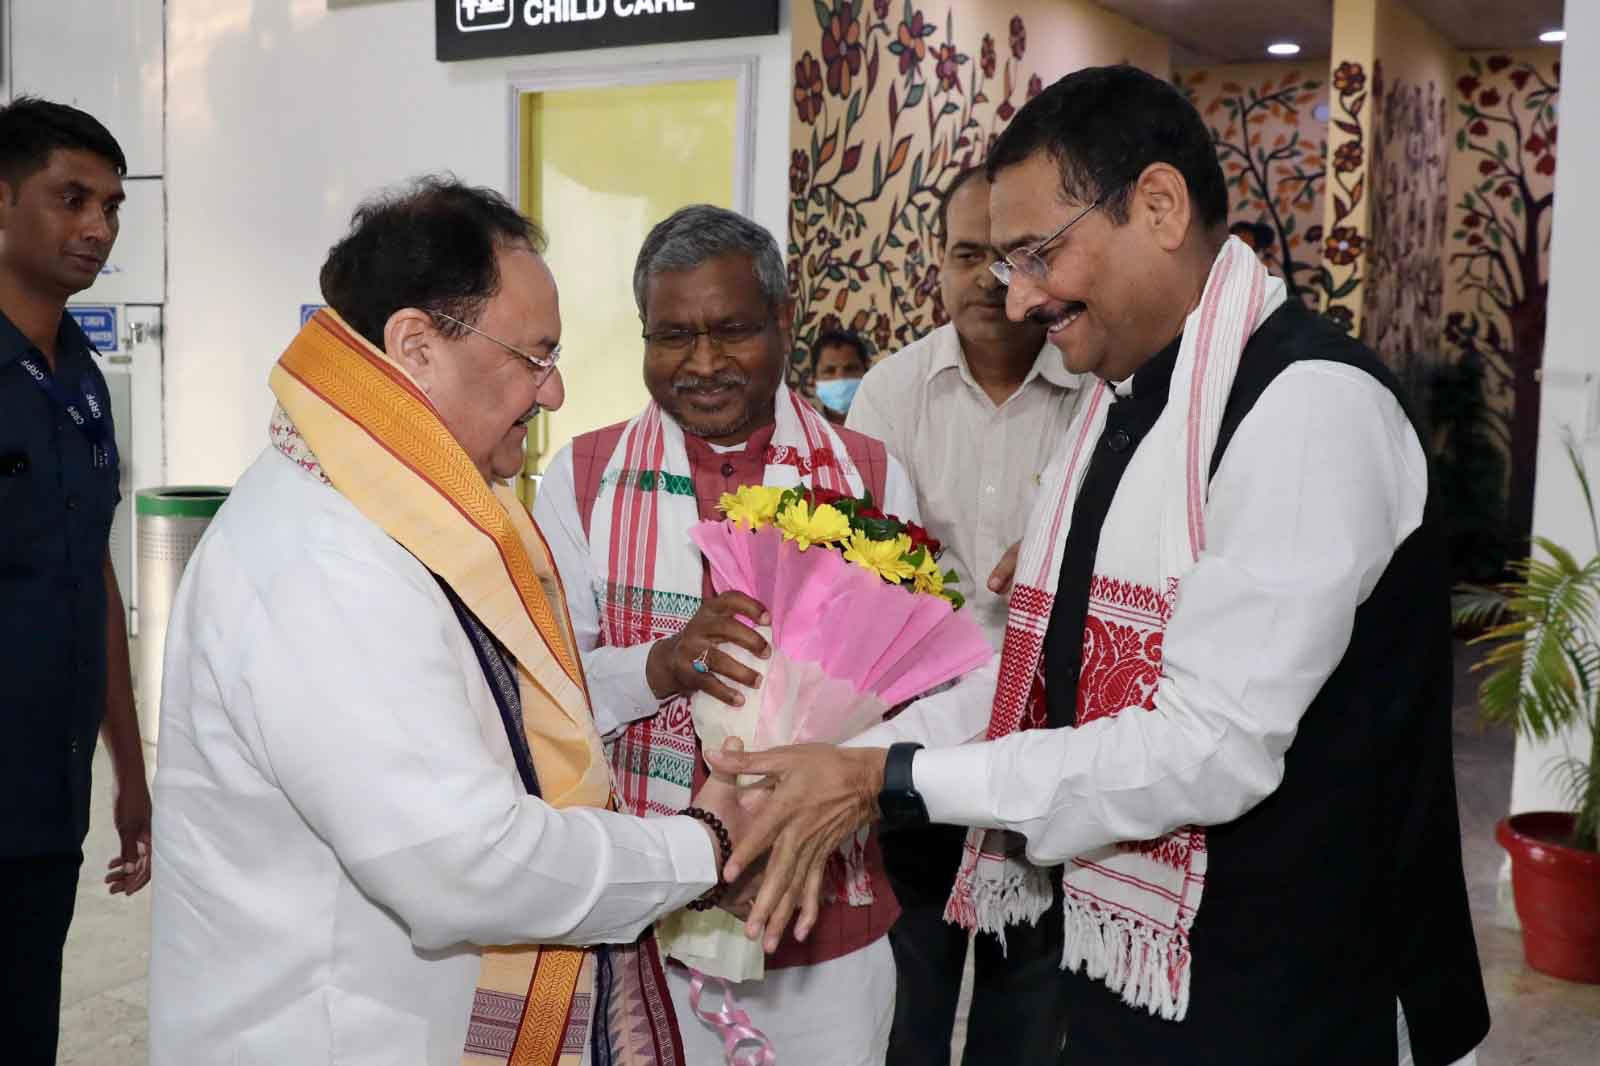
(99, 324)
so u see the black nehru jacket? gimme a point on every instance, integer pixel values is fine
(1343, 890)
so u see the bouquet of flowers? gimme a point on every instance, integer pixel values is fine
(863, 619)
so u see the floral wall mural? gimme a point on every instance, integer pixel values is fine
(1344, 238)
(1405, 264)
(1502, 180)
(891, 100)
(1407, 173)
(1271, 143)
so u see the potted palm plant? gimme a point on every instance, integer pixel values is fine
(1544, 680)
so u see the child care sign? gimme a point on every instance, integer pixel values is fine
(479, 29)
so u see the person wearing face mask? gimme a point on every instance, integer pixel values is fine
(838, 362)
(618, 504)
(976, 410)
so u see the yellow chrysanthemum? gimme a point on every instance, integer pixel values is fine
(754, 506)
(929, 578)
(886, 558)
(805, 525)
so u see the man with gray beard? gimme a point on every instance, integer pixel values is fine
(617, 505)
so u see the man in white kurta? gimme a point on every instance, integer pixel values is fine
(610, 501)
(1218, 738)
(343, 811)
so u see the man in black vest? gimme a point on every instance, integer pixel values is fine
(1222, 716)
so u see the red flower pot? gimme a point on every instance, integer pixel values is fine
(1557, 890)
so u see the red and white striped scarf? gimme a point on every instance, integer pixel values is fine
(650, 574)
(1129, 906)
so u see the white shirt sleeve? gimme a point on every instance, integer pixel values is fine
(617, 685)
(1324, 479)
(360, 717)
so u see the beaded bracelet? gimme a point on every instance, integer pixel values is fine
(713, 895)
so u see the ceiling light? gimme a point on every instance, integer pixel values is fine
(1284, 48)
(1553, 36)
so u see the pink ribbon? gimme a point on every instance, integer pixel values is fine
(742, 1043)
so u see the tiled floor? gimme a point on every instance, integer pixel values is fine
(1536, 1019)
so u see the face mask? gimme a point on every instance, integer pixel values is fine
(837, 393)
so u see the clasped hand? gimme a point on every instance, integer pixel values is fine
(811, 798)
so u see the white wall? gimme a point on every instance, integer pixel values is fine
(281, 116)
(1571, 392)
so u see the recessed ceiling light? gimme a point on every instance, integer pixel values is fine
(1553, 36)
(1284, 48)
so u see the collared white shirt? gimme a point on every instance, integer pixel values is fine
(975, 465)
(1260, 624)
(1261, 621)
(338, 817)
(617, 686)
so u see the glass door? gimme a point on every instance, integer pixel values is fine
(599, 166)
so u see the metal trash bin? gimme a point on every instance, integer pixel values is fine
(170, 522)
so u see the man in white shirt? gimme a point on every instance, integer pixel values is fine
(975, 410)
(618, 504)
(379, 782)
(1224, 697)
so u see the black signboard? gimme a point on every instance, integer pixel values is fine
(479, 29)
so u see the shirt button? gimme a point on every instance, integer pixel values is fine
(727, 469)
(1119, 441)
(72, 503)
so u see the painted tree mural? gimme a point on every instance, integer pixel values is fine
(1275, 170)
(1501, 241)
(1403, 310)
(1339, 277)
(863, 207)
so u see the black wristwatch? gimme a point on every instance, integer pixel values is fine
(899, 802)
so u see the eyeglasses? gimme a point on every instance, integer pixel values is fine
(542, 364)
(1030, 260)
(724, 335)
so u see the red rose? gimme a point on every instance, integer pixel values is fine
(1488, 166)
(1505, 191)
(1498, 63)
(1471, 221)
(870, 512)
(920, 539)
(1534, 144)
(1519, 78)
(1468, 85)
(1489, 98)
(1479, 128)
(1547, 165)
(822, 496)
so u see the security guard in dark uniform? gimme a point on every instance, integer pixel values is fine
(63, 636)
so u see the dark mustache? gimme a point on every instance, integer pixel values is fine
(727, 379)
